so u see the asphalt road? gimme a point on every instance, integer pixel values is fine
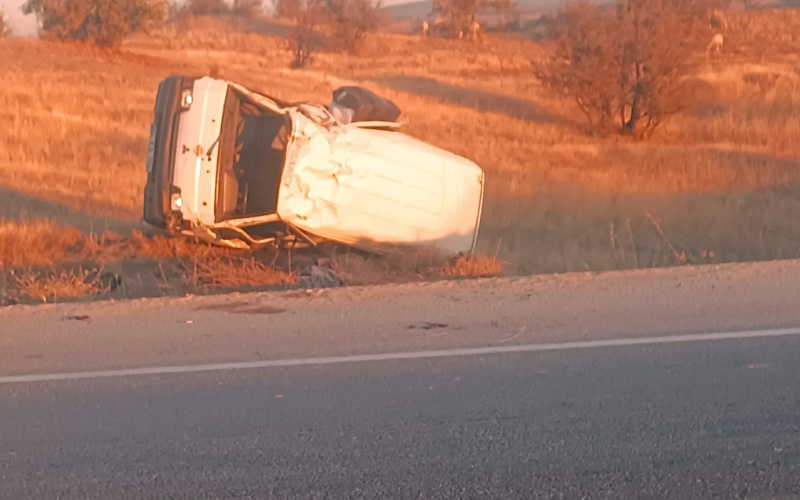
(696, 417)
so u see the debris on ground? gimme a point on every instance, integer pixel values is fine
(77, 317)
(111, 266)
(428, 326)
(324, 274)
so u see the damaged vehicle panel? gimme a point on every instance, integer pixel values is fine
(242, 169)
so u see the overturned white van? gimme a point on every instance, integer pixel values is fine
(241, 169)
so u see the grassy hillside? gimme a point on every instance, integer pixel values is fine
(718, 183)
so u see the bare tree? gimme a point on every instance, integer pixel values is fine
(103, 22)
(304, 38)
(175, 10)
(285, 8)
(246, 8)
(459, 15)
(624, 65)
(206, 7)
(345, 22)
(5, 28)
(351, 20)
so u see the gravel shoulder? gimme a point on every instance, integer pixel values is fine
(394, 318)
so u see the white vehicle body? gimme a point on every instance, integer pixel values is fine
(196, 169)
(362, 184)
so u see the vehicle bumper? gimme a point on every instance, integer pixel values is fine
(161, 151)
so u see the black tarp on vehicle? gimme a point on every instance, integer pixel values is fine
(362, 105)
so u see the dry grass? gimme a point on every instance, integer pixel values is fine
(227, 271)
(90, 264)
(73, 126)
(473, 267)
(361, 269)
(53, 286)
(722, 179)
(35, 243)
(357, 268)
(41, 242)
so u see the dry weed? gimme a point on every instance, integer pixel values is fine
(358, 269)
(41, 242)
(35, 243)
(63, 285)
(229, 271)
(362, 269)
(473, 267)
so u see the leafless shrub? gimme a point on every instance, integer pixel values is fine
(231, 271)
(345, 22)
(285, 9)
(541, 28)
(458, 15)
(5, 28)
(304, 37)
(206, 7)
(350, 20)
(473, 267)
(102, 22)
(246, 8)
(63, 285)
(624, 65)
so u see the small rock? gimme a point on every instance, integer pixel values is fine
(320, 277)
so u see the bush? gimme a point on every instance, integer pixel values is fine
(103, 22)
(345, 23)
(625, 64)
(247, 8)
(458, 15)
(304, 38)
(351, 19)
(284, 8)
(206, 7)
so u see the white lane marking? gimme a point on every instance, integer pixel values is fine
(362, 358)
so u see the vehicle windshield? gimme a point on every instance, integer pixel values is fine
(252, 150)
